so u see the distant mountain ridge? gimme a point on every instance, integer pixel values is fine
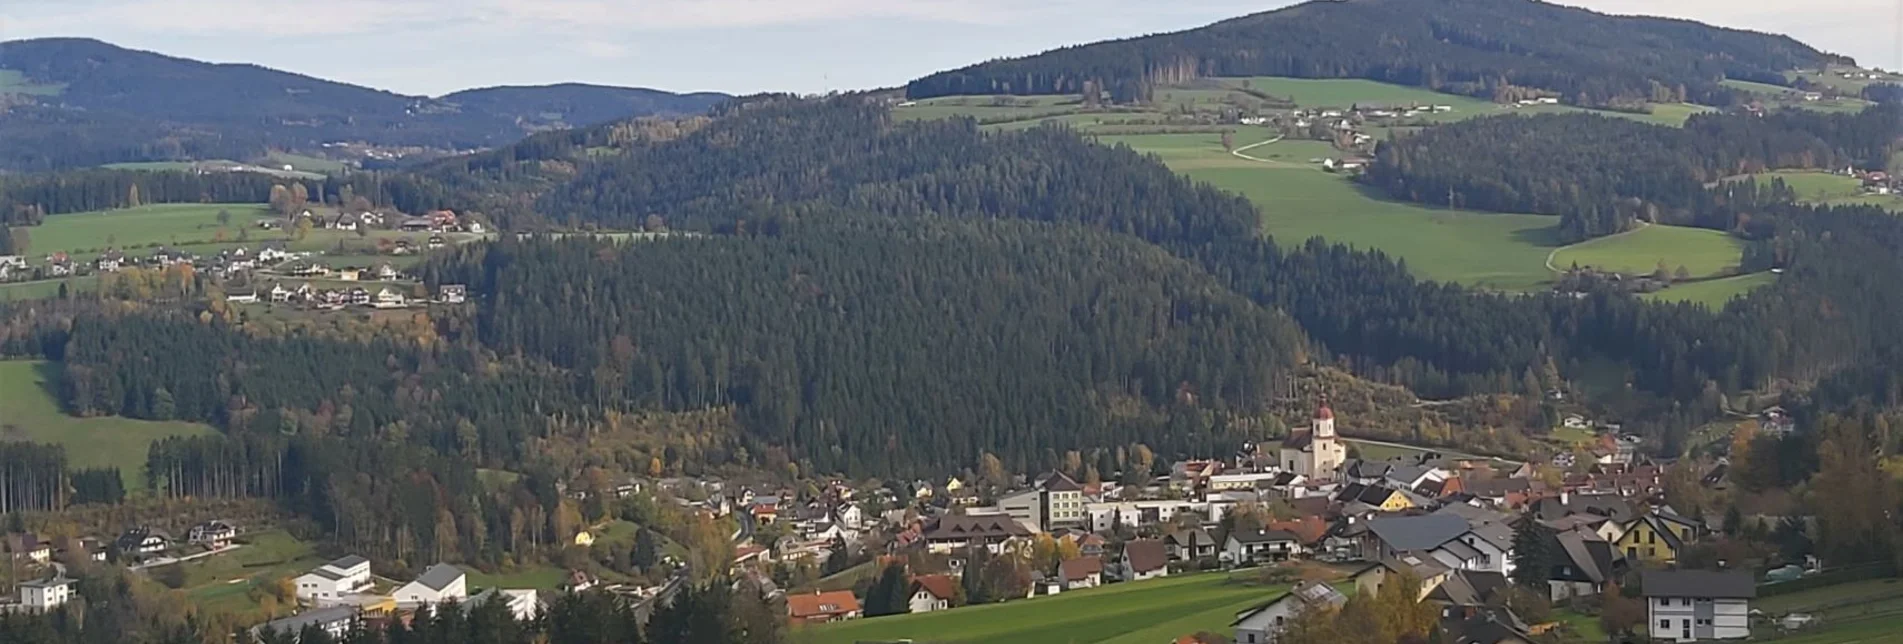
(1485, 48)
(93, 102)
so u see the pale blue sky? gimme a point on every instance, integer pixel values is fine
(741, 46)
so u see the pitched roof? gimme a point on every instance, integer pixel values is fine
(1192, 536)
(1308, 529)
(346, 563)
(1264, 536)
(1309, 593)
(1146, 555)
(1586, 559)
(1731, 584)
(1418, 532)
(1080, 568)
(440, 576)
(1058, 482)
(1300, 440)
(976, 527)
(939, 586)
(814, 604)
(296, 623)
(1469, 587)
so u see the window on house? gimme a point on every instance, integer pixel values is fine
(1665, 623)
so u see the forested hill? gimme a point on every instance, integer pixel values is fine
(85, 102)
(1475, 47)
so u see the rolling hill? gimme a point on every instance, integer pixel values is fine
(1485, 48)
(104, 103)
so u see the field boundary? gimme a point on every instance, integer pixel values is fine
(1549, 256)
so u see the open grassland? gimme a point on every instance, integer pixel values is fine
(303, 163)
(13, 82)
(223, 583)
(1713, 293)
(987, 107)
(154, 225)
(1785, 97)
(1853, 613)
(30, 412)
(1131, 613)
(1809, 185)
(42, 289)
(1703, 253)
(537, 577)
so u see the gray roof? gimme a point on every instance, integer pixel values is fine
(1418, 532)
(440, 576)
(296, 623)
(47, 583)
(1735, 584)
(1310, 593)
(1263, 536)
(349, 562)
(1469, 587)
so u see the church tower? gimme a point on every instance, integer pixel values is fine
(1330, 453)
(1324, 421)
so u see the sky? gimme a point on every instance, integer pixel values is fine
(435, 47)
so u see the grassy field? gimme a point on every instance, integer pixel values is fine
(13, 82)
(1133, 613)
(1809, 185)
(1703, 253)
(303, 163)
(537, 577)
(167, 224)
(222, 583)
(32, 413)
(1713, 293)
(1785, 97)
(43, 289)
(1854, 613)
(986, 107)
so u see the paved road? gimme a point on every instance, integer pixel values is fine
(167, 561)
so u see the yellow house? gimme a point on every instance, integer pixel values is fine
(1384, 499)
(1655, 538)
(583, 538)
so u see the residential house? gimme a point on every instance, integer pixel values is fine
(1449, 538)
(452, 293)
(335, 621)
(436, 241)
(822, 607)
(387, 273)
(359, 296)
(334, 580)
(438, 584)
(42, 595)
(280, 294)
(1656, 538)
(523, 604)
(1261, 625)
(1484, 625)
(950, 533)
(212, 534)
(81, 549)
(1258, 546)
(29, 547)
(1688, 605)
(1429, 572)
(1468, 588)
(109, 262)
(388, 299)
(1584, 564)
(1144, 559)
(143, 540)
(1190, 544)
(1082, 572)
(248, 297)
(1374, 497)
(932, 592)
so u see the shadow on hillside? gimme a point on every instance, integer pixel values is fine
(50, 381)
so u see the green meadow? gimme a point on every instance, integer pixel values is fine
(1703, 253)
(29, 411)
(146, 226)
(1713, 293)
(1145, 612)
(1824, 188)
(13, 82)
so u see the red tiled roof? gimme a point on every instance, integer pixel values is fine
(821, 605)
(1146, 555)
(1080, 568)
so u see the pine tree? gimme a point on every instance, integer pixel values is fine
(1533, 554)
(888, 595)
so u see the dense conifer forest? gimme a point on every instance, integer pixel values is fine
(1494, 49)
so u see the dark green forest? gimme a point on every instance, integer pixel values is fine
(1493, 49)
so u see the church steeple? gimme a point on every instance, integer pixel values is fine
(1324, 419)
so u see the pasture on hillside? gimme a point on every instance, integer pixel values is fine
(31, 412)
(1714, 294)
(42, 289)
(223, 583)
(89, 233)
(1703, 253)
(1809, 185)
(14, 82)
(1144, 612)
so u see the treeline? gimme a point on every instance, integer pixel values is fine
(863, 345)
(1602, 174)
(1494, 49)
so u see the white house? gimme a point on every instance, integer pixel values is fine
(143, 540)
(45, 594)
(931, 592)
(1688, 605)
(334, 621)
(1260, 545)
(212, 534)
(1144, 559)
(334, 580)
(1261, 624)
(440, 583)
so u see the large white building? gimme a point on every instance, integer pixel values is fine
(45, 594)
(440, 583)
(1689, 605)
(332, 581)
(1315, 452)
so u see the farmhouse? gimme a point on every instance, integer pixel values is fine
(439, 583)
(29, 546)
(1260, 546)
(143, 540)
(45, 594)
(334, 580)
(950, 533)
(821, 607)
(1687, 605)
(212, 534)
(1144, 559)
(1082, 572)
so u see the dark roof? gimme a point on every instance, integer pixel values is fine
(1080, 568)
(1418, 532)
(1733, 584)
(1586, 559)
(1484, 625)
(1146, 555)
(348, 562)
(296, 623)
(1300, 440)
(1264, 536)
(1611, 506)
(1469, 587)
(1057, 482)
(940, 586)
(1369, 494)
(440, 576)
(979, 527)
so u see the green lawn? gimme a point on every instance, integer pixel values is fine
(162, 224)
(1585, 628)
(537, 577)
(1818, 599)
(1134, 613)
(986, 107)
(1702, 252)
(13, 82)
(156, 166)
(1874, 630)
(42, 289)
(1713, 293)
(303, 163)
(1810, 185)
(33, 414)
(222, 583)
(1342, 92)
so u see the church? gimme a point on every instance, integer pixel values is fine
(1315, 452)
